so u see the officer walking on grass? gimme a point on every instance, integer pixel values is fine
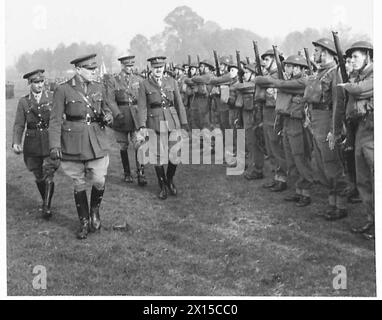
(160, 106)
(33, 113)
(122, 91)
(77, 135)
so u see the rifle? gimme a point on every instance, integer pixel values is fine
(198, 59)
(148, 71)
(280, 67)
(217, 66)
(348, 152)
(257, 57)
(340, 55)
(189, 66)
(240, 70)
(307, 57)
(247, 58)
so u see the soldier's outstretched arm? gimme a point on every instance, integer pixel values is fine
(19, 124)
(361, 90)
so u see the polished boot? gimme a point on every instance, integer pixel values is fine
(279, 186)
(162, 182)
(41, 189)
(171, 168)
(336, 215)
(304, 201)
(269, 185)
(49, 190)
(95, 202)
(293, 198)
(140, 172)
(364, 228)
(126, 166)
(83, 213)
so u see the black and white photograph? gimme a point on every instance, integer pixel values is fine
(183, 149)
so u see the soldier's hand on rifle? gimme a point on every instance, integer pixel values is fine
(17, 148)
(108, 118)
(341, 85)
(332, 140)
(185, 127)
(55, 153)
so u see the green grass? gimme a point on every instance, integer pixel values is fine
(221, 236)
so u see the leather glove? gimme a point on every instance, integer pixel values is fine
(17, 148)
(55, 153)
(108, 118)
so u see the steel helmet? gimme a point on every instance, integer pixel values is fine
(326, 44)
(359, 45)
(296, 60)
(271, 53)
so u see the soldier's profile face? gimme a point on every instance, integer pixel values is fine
(317, 54)
(358, 59)
(193, 71)
(268, 61)
(247, 74)
(37, 86)
(289, 68)
(349, 65)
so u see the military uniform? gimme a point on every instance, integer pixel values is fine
(159, 102)
(321, 105)
(250, 114)
(122, 91)
(295, 139)
(77, 134)
(273, 141)
(360, 109)
(32, 114)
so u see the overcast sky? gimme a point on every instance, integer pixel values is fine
(34, 24)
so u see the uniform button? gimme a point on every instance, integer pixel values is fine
(39, 115)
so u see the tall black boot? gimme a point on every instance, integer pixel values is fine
(49, 190)
(83, 213)
(126, 166)
(171, 168)
(95, 202)
(162, 182)
(41, 188)
(140, 172)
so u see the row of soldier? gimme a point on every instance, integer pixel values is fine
(286, 115)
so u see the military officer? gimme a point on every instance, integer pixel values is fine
(33, 112)
(160, 106)
(360, 109)
(122, 91)
(272, 139)
(77, 135)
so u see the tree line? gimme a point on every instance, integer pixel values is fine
(185, 33)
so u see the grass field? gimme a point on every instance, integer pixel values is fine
(222, 236)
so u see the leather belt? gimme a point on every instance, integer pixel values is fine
(80, 119)
(35, 126)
